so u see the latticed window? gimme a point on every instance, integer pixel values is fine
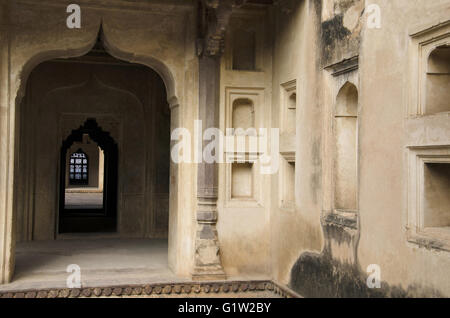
(79, 168)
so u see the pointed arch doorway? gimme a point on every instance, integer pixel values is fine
(147, 192)
(92, 219)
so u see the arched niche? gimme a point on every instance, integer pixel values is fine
(290, 113)
(346, 149)
(243, 114)
(438, 81)
(292, 101)
(347, 101)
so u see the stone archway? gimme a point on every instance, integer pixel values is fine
(107, 221)
(8, 244)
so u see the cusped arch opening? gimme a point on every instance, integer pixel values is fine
(110, 48)
(347, 100)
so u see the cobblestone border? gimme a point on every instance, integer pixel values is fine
(164, 289)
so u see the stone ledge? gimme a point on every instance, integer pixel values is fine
(345, 66)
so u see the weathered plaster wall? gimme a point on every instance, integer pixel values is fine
(340, 29)
(244, 204)
(295, 58)
(386, 86)
(385, 98)
(307, 247)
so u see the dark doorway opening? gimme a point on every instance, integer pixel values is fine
(94, 217)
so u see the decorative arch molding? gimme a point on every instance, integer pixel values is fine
(93, 83)
(113, 49)
(149, 61)
(95, 132)
(346, 85)
(44, 56)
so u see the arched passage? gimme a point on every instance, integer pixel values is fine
(127, 38)
(62, 94)
(128, 119)
(91, 220)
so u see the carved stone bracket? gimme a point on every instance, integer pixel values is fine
(215, 17)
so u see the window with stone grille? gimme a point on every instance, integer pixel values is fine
(79, 168)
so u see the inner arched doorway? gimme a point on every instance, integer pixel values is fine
(81, 218)
(120, 107)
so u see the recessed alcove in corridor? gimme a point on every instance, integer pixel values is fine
(87, 210)
(94, 165)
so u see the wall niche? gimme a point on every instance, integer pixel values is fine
(287, 187)
(288, 113)
(429, 56)
(346, 152)
(242, 185)
(288, 108)
(244, 50)
(244, 41)
(438, 81)
(243, 119)
(243, 115)
(437, 195)
(428, 217)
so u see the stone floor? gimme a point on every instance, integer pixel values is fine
(77, 200)
(102, 261)
(108, 261)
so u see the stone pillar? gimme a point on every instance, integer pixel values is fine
(7, 139)
(207, 257)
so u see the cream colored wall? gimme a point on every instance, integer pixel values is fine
(244, 222)
(294, 54)
(385, 81)
(385, 132)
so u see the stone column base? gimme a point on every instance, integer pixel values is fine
(208, 265)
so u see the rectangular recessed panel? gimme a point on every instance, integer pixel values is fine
(437, 195)
(242, 180)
